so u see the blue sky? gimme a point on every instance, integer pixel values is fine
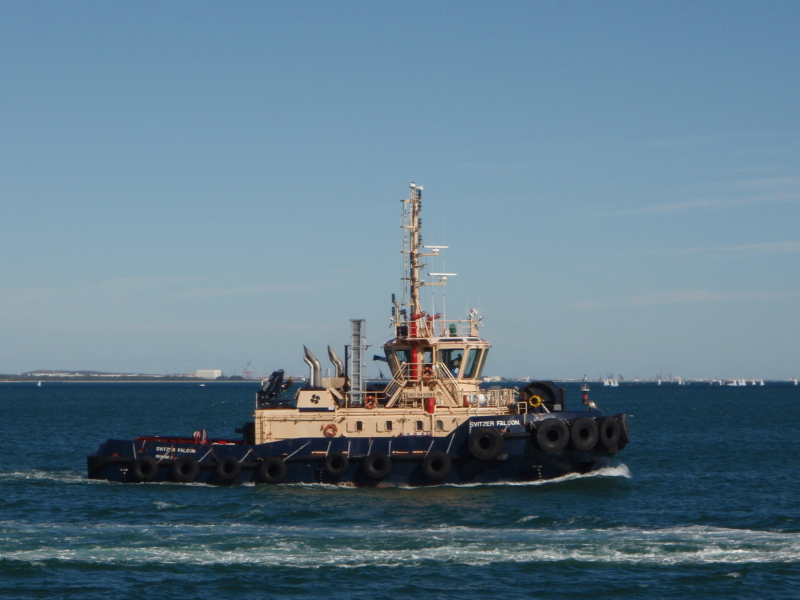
(195, 185)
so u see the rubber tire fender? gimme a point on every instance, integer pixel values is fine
(609, 434)
(584, 433)
(624, 430)
(485, 443)
(185, 469)
(378, 465)
(144, 469)
(552, 435)
(336, 464)
(437, 465)
(228, 469)
(272, 470)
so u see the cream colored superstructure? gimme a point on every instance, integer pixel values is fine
(289, 423)
(436, 370)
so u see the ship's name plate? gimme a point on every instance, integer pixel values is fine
(419, 395)
(494, 423)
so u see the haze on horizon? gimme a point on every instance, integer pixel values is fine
(198, 185)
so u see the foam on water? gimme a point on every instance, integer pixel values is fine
(63, 476)
(296, 546)
(615, 471)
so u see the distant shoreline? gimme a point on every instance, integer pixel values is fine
(20, 379)
(595, 384)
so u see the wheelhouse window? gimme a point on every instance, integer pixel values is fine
(391, 359)
(427, 356)
(483, 363)
(473, 360)
(397, 356)
(451, 358)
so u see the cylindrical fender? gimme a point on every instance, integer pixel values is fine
(584, 434)
(144, 469)
(336, 464)
(552, 435)
(185, 469)
(378, 465)
(272, 470)
(485, 443)
(624, 430)
(436, 465)
(228, 469)
(609, 434)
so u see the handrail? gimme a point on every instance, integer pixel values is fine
(492, 398)
(394, 387)
(451, 382)
(428, 328)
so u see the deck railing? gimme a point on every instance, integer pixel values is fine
(493, 397)
(427, 328)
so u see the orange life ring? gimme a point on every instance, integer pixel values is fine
(427, 373)
(370, 402)
(330, 430)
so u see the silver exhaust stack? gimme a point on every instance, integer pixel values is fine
(337, 362)
(316, 369)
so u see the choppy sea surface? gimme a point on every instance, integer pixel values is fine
(703, 503)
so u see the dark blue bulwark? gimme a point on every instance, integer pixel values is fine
(306, 459)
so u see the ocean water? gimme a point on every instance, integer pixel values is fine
(703, 503)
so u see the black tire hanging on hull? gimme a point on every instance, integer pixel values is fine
(624, 430)
(378, 465)
(272, 470)
(552, 435)
(144, 469)
(228, 469)
(437, 465)
(485, 443)
(609, 435)
(185, 469)
(584, 433)
(336, 464)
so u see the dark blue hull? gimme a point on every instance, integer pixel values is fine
(519, 459)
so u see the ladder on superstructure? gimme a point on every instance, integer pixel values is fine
(358, 374)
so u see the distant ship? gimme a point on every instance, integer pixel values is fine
(432, 423)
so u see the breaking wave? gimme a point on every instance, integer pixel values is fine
(239, 544)
(616, 471)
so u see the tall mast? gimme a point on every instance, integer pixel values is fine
(412, 315)
(412, 241)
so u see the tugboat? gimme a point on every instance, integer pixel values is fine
(431, 424)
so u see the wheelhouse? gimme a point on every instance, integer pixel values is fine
(461, 359)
